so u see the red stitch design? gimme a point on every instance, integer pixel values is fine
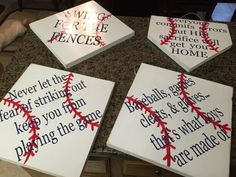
(63, 29)
(194, 108)
(172, 31)
(98, 37)
(32, 126)
(56, 36)
(74, 110)
(164, 130)
(206, 38)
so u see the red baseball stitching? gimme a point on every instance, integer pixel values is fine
(101, 42)
(194, 108)
(63, 29)
(172, 31)
(56, 36)
(32, 124)
(206, 38)
(164, 130)
(69, 101)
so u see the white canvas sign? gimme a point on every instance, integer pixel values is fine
(190, 43)
(176, 121)
(81, 32)
(50, 118)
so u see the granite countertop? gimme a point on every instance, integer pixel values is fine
(119, 64)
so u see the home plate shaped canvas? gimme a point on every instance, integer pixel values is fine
(190, 43)
(49, 121)
(176, 121)
(81, 32)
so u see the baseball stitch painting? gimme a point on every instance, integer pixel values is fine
(49, 121)
(176, 121)
(81, 32)
(190, 43)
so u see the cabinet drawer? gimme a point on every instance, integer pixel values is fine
(140, 168)
(97, 167)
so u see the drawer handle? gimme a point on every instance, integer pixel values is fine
(158, 172)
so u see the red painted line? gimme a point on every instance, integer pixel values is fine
(69, 101)
(206, 38)
(161, 124)
(32, 124)
(194, 108)
(172, 31)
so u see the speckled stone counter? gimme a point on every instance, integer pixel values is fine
(119, 64)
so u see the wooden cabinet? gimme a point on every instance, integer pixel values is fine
(115, 166)
(97, 167)
(138, 168)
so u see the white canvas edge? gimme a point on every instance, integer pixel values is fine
(79, 60)
(99, 50)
